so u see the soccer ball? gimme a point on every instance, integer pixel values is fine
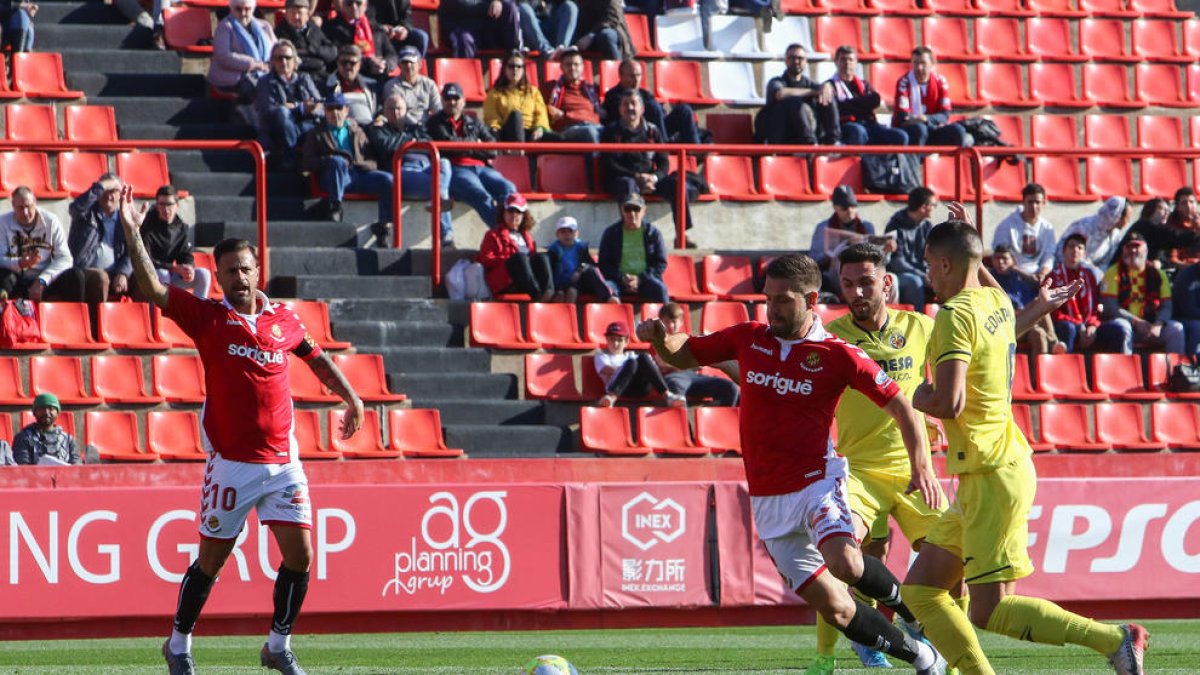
(549, 664)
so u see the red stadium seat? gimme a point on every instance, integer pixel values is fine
(1164, 175)
(1060, 177)
(498, 324)
(1193, 83)
(962, 94)
(1191, 38)
(1001, 84)
(166, 330)
(40, 75)
(5, 91)
(1160, 372)
(309, 439)
(848, 7)
(1054, 85)
(1002, 179)
(1022, 417)
(1159, 132)
(948, 38)
(305, 385)
(565, 177)
(1064, 377)
(731, 177)
(188, 29)
(785, 177)
(835, 31)
(606, 431)
(718, 427)
(1004, 8)
(830, 172)
(178, 378)
(314, 314)
(1066, 426)
(468, 73)
(1049, 39)
(598, 315)
(1163, 9)
(78, 170)
(366, 374)
(24, 122)
(829, 313)
(1104, 40)
(731, 277)
(555, 326)
(1120, 425)
(1012, 128)
(666, 431)
(720, 314)
(1155, 41)
(1159, 84)
(1110, 176)
(954, 8)
(174, 436)
(417, 432)
(885, 74)
(37, 345)
(610, 70)
(680, 278)
(1022, 389)
(1107, 8)
(1053, 131)
(126, 325)
(730, 128)
(115, 436)
(900, 8)
(66, 325)
(1000, 40)
(516, 169)
(1119, 376)
(31, 169)
(892, 37)
(640, 30)
(119, 379)
(366, 444)
(1104, 83)
(939, 176)
(1106, 132)
(551, 377)
(12, 387)
(680, 82)
(1175, 426)
(145, 171)
(808, 7)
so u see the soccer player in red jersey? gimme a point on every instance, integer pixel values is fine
(246, 427)
(792, 375)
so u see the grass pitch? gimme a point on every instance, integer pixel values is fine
(1175, 649)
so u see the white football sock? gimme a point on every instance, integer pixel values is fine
(180, 643)
(277, 643)
(925, 656)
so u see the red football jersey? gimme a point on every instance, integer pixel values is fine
(247, 416)
(789, 392)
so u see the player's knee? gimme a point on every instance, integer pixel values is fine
(980, 613)
(846, 567)
(839, 613)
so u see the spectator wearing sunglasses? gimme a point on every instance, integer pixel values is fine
(514, 109)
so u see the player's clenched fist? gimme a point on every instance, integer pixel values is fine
(653, 331)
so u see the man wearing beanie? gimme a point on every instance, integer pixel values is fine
(43, 441)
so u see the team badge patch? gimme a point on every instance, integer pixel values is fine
(213, 524)
(897, 341)
(812, 362)
(277, 332)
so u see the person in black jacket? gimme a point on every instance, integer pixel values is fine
(395, 18)
(352, 27)
(798, 110)
(316, 51)
(641, 276)
(1161, 239)
(473, 180)
(97, 242)
(390, 132)
(678, 126)
(166, 238)
(288, 105)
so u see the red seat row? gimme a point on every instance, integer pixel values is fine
(77, 171)
(1117, 377)
(977, 8)
(664, 431)
(412, 432)
(1117, 426)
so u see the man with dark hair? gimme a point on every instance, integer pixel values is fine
(166, 238)
(1077, 320)
(792, 369)
(1137, 304)
(1027, 232)
(983, 536)
(844, 228)
(1186, 290)
(677, 127)
(1162, 240)
(799, 110)
(253, 460)
(856, 102)
(911, 225)
(1185, 217)
(391, 131)
(43, 441)
(97, 242)
(572, 102)
(633, 256)
(349, 81)
(1022, 289)
(922, 106)
(314, 49)
(36, 262)
(351, 26)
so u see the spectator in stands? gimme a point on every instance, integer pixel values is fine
(1137, 304)
(857, 101)
(43, 441)
(1022, 289)
(922, 108)
(17, 18)
(548, 25)
(677, 127)
(288, 105)
(643, 172)
(473, 181)
(134, 12)
(97, 243)
(626, 373)
(510, 258)
(1028, 234)
(1076, 322)
(420, 93)
(241, 50)
(575, 270)
(844, 228)
(628, 267)
(472, 25)
(573, 103)
(358, 89)
(1186, 291)
(690, 383)
(352, 27)
(1184, 218)
(1103, 232)
(166, 238)
(316, 51)
(391, 131)
(799, 110)
(911, 225)
(395, 18)
(338, 153)
(1161, 238)
(602, 29)
(514, 109)
(36, 262)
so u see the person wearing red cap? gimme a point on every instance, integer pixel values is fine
(628, 373)
(509, 255)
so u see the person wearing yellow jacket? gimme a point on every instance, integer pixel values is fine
(514, 109)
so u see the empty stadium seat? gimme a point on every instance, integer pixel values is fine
(885, 75)
(736, 37)
(1193, 83)
(954, 8)
(1155, 41)
(309, 439)
(1104, 40)
(118, 379)
(7, 93)
(680, 278)
(1064, 377)
(174, 435)
(178, 378)
(366, 444)
(892, 37)
(835, 31)
(598, 315)
(126, 325)
(731, 177)
(940, 176)
(680, 35)
(606, 431)
(29, 169)
(730, 277)
(1110, 176)
(1163, 9)
(1004, 8)
(305, 385)
(78, 170)
(565, 177)
(785, 178)
(1024, 420)
(188, 29)
(115, 436)
(40, 75)
(366, 375)
(498, 324)
(24, 122)
(1052, 131)
(733, 82)
(1159, 132)
(1054, 85)
(1175, 426)
(1159, 373)
(1107, 8)
(830, 172)
(1163, 175)
(1022, 389)
(1049, 39)
(66, 325)
(720, 314)
(314, 314)
(1066, 426)
(801, 7)
(1120, 426)
(555, 326)
(166, 330)
(145, 171)
(417, 432)
(1104, 83)
(1159, 84)
(516, 169)
(1060, 177)
(791, 30)
(679, 82)
(666, 431)
(1003, 179)
(730, 128)
(1106, 132)
(1119, 376)
(1002, 84)
(1191, 37)
(468, 73)
(1000, 40)
(718, 427)
(551, 377)
(12, 387)
(1012, 128)
(643, 44)
(948, 38)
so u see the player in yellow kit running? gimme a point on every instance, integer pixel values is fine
(982, 538)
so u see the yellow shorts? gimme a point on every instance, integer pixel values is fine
(987, 526)
(874, 495)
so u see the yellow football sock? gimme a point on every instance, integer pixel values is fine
(1037, 620)
(827, 637)
(947, 627)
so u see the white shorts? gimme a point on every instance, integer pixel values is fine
(277, 492)
(794, 525)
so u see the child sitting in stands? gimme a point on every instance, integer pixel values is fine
(628, 373)
(575, 270)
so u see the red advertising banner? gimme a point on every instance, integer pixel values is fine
(122, 552)
(748, 575)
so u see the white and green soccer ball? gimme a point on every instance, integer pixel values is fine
(549, 664)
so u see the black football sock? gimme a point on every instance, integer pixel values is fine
(878, 582)
(193, 593)
(290, 589)
(870, 628)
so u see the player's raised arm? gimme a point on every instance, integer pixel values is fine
(912, 430)
(670, 348)
(331, 376)
(143, 266)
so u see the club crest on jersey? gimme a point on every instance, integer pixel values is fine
(812, 362)
(213, 524)
(897, 340)
(277, 332)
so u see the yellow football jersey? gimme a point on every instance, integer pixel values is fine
(978, 326)
(867, 434)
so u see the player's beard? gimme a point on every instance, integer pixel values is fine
(786, 328)
(865, 310)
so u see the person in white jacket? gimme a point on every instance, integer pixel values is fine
(1103, 232)
(1029, 234)
(35, 261)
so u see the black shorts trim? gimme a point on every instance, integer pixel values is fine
(980, 576)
